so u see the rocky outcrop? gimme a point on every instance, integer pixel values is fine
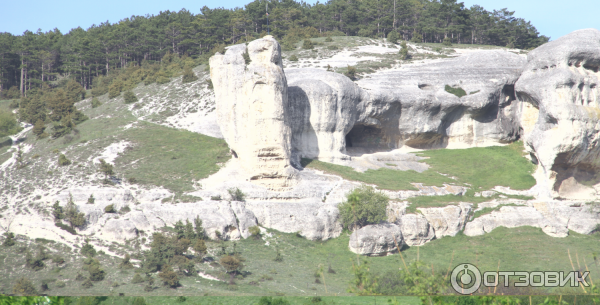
(415, 229)
(449, 220)
(412, 107)
(324, 107)
(561, 113)
(252, 108)
(376, 240)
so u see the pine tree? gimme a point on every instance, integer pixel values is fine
(189, 75)
(106, 169)
(38, 129)
(72, 215)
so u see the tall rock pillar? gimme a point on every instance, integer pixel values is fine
(252, 109)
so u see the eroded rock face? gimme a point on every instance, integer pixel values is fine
(559, 88)
(416, 230)
(324, 107)
(412, 107)
(253, 111)
(376, 239)
(449, 220)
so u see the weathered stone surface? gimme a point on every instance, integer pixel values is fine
(118, 230)
(376, 239)
(510, 217)
(253, 111)
(416, 230)
(412, 108)
(447, 221)
(324, 107)
(560, 92)
(311, 219)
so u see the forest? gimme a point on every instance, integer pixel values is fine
(30, 60)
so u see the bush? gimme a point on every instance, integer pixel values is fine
(24, 286)
(137, 278)
(307, 44)
(65, 227)
(363, 206)
(293, 58)
(115, 89)
(236, 194)
(8, 124)
(96, 103)
(447, 41)
(169, 277)
(9, 241)
(328, 39)
(87, 284)
(126, 263)
(87, 250)
(458, 91)
(232, 265)
(106, 169)
(129, 97)
(91, 200)
(365, 33)
(110, 209)
(246, 56)
(351, 72)
(63, 161)
(189, 75)
(332, 47)
(416, 37)
(254, 232)
(125, 210)
(404, 51)
(200, 248)
(393, 37)
(272, 301)
(139, 301)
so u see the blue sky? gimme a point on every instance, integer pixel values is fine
(552, 18)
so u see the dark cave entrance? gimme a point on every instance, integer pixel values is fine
(363, 139)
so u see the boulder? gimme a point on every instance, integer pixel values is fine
(253, 110)
(416, 230)
(560, 93)
(311, 219)
(449, 220)
(376, 240)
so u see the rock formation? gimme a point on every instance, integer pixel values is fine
(376, 239)
(561, 113)
(252, 108)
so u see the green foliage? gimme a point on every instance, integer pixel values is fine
(65, 227)
(91, 199)
(163, 249)
(351, 72)
(236, 194)
(24, 286)
(416, 37)
(404, 51)
(328, 39)
(87, 249)
(447, 41)
(364, 282)
(189, 75)
(232, 264)
(87, 283)
(308, 44)
(72, 215)
(393, 37)
(254, 232)
(278, 257)
(95, 103)
(273, 301)
(137, 278)
(200, 248)
(110, 209)
(36, 263)
(246, 56)
(92, 266)
(458, 91)
(63, 161)
(106, 169)
(129, 97)
(333, 47)
(57, 211)
(293, 58)
(169, 277)
(8, 124)
(9, 241)
(126, 262)
(114, 89)
(200, 233)
(363, 206)
(38, 129)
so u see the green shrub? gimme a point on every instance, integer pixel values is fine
(189, 75)
(87, 250)
(393, 37)
(364, 33)
(404, 51)
(169, 277)
(60, 284)
(124, 210)
(363, 206)
(96, 103)
(236, 194)
(126, 263)
(115, 89)
(129, 97)
(246, 56)
(351, 72)
(307, 44)
(24, 286)
(63, 161)
(216, 198)
(91, 200)
(332, 47)
(110, 209)
(65, 227)
(9, 241)
(447, 41)
(416, 37)
(14, 104)
(254, 232)
(328, 39)
(458, 91)
(8, 124)
(87, 284)
(293, 58)
(137, 278)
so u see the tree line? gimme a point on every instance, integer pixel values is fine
(33, 58)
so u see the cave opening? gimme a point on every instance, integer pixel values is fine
(363, 139)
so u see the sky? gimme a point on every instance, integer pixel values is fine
(553, 18)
